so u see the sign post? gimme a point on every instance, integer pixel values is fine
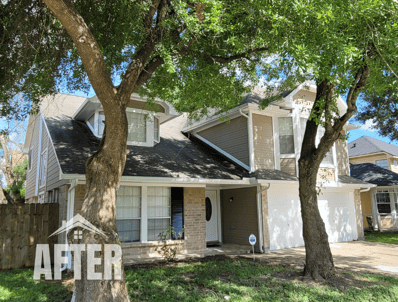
(252, 240)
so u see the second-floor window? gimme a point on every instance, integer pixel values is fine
(382, 163)
(328, 160)
(286, 136)
(143, 130)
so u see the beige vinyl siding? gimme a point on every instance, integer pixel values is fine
(367, 159)
(306, 95)
(343, 164)
(393, 167)
(263, 142)
(31, 175)
(231, 137)
(239, 217)
(288, 165)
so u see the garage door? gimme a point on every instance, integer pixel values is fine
(284, 214)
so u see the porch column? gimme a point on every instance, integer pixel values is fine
(194, 220)
(358, 214)
(265, 222)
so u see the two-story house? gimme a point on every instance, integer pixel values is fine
(219, 180)
(376, 162)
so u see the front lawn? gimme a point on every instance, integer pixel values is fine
(215, 279)
(390, 238)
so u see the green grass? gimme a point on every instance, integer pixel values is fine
(382, 237)
(239, 279)
(18, 285)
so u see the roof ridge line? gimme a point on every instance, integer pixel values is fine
(365, 137)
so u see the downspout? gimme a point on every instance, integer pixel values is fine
(365, 190)
(260, 217)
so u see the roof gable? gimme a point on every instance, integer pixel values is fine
(366, 145)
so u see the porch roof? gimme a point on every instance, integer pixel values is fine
(374, 174)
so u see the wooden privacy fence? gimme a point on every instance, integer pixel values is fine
(21, 228)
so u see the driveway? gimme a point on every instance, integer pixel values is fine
(367, 257)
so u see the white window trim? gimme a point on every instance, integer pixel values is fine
(156, 139)
(41, 185)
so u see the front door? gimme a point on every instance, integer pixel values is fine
(211, 216)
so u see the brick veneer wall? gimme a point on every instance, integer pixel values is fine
(358, 214)
(266, 237)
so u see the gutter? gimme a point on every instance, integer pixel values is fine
(260, 218)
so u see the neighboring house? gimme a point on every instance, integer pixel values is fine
(220, 180)
(376, 162)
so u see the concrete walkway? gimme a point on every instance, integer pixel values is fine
(367, 257)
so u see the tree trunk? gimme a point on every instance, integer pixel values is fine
(103, 173)
(319, 260)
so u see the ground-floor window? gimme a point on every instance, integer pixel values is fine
(386, 201)
(142, 213)
(128, 213)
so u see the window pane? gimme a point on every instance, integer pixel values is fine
(137, 127)
(158, 202)
(128, 230)
(156, 128)
(177, 211)
(157, 226)
(383, 202)
(382, 163)
(286, 138)
(328, 158)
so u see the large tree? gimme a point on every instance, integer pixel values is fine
(347, 48)
(194, 54)
(199, 55)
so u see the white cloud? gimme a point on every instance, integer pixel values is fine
(369, 126)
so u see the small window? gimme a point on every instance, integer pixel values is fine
(30, 154)
(286, 137)
(43, 169)
(137, 127)
(128, 213)
(383, 202)
(156, 129)
(382, 163)
(50, 197)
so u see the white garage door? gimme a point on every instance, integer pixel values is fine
(284, 214)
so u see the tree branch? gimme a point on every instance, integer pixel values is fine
(136, 66)
(86, 46)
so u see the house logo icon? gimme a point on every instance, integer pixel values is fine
(77, 221)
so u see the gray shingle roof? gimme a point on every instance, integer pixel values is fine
(369, 145)
(174, 156)
(346, 179)
(258, 94)
(374, 174)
